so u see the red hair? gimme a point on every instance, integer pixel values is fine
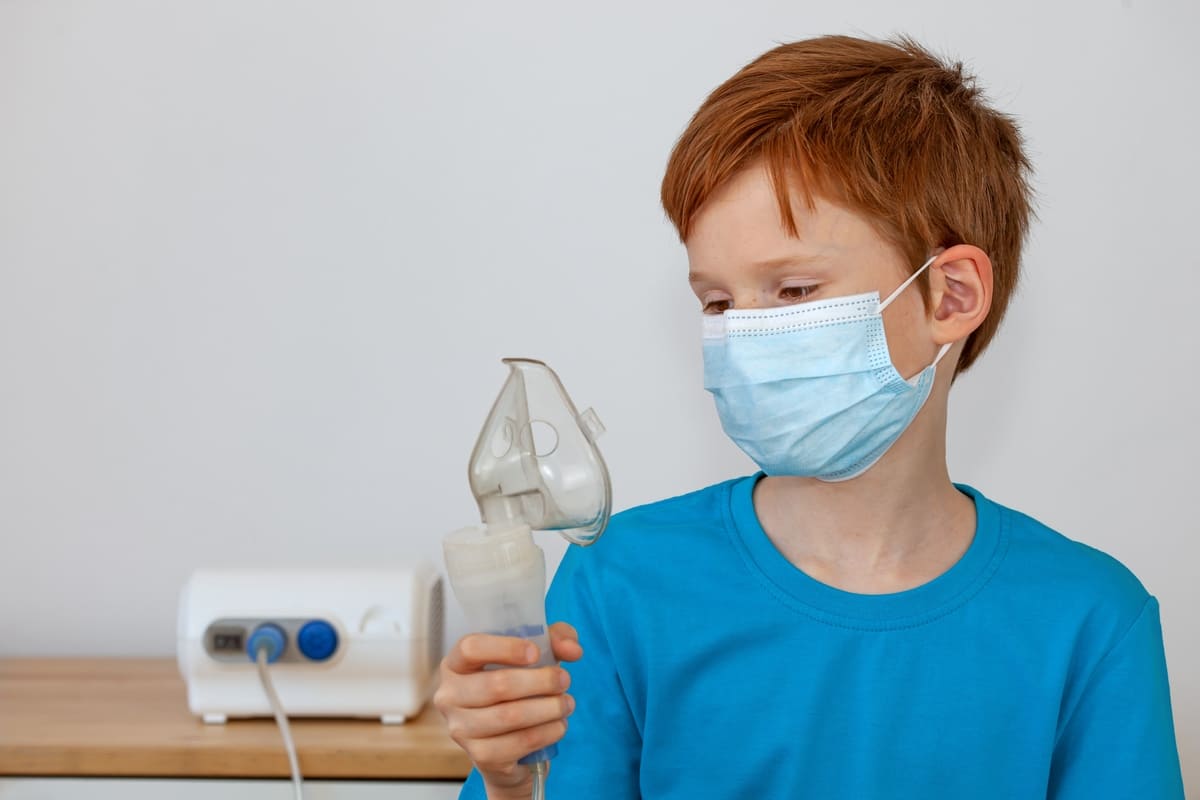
(885, 129)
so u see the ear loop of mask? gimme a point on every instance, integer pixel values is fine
(888, 301)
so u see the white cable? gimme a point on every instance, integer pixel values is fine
(540, 768)
(280, 719)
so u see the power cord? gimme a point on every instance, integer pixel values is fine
(264, 677)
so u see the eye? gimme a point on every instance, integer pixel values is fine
(717, 305)
(715, 302)
(796, 294)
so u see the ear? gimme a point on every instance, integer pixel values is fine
(960, 284)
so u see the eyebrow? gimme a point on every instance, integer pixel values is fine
(769, 264)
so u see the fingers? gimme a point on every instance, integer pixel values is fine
(499, 716)
(490, 687)
(500, 753)
(476, 650)
(505, 718)
(564, 640)
(563, 630)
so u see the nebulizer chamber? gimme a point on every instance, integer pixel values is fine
(535, 467)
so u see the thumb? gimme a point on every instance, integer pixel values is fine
(565, 641)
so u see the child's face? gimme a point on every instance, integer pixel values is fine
(741, 256)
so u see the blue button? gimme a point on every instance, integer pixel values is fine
(269, 637)
(317, 640)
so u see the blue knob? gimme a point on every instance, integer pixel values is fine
(267, 636)
(317, 640)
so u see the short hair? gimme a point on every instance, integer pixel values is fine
(884, 128)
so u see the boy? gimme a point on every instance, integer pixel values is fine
(847, 623)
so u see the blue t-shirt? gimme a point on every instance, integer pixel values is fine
(714, 668)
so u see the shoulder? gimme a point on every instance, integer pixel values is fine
(700, 507)
(1069, 576)
(644, 536)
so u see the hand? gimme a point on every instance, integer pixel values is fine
(500, 715)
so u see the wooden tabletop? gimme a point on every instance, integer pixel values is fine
(129, 717)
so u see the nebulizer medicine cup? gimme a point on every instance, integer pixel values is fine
(499, 577)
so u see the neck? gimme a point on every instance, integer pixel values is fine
(896, 526)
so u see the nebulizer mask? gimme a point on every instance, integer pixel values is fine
(535, 467)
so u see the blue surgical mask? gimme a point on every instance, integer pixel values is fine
(810, 389)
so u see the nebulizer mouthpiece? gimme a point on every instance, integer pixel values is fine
(535, 467)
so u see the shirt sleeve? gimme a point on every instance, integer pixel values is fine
(601, 752)
(1119, 739)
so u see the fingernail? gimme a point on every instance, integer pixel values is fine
(531, 652)
(564, 678)
(570, 704)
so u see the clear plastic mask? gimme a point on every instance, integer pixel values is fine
(536, 461)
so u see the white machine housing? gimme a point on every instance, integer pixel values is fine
(389, 624)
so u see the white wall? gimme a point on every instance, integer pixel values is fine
(258, 262)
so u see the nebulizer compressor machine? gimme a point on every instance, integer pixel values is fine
(535, 467)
